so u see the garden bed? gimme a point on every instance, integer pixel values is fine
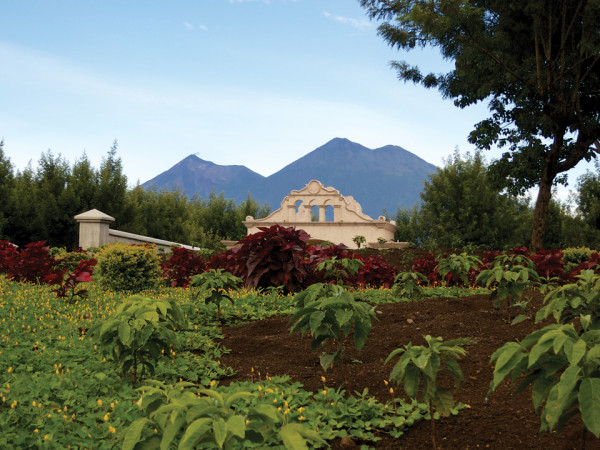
(499, 420)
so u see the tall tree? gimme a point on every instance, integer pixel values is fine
(459, 207)
(6, 187)
(588, 198)
(537, 62)
(112, 185)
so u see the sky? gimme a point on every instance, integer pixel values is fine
(258, 83)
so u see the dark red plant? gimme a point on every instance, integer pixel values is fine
(549, 263)
(30, 264)
(427, 265)
(374, 273)
(7, 253)
(275, 256)
(181, 265)
(593, 263)
(67, 283)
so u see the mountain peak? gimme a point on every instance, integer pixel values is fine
(384, 178)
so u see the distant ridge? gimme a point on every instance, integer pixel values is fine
(384, 178)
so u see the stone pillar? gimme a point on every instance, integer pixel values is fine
(322, 213)
(93, 228)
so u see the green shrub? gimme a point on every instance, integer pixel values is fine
(128, 267)
(70, 260)
(572, 256)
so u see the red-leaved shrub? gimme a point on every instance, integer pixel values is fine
(181, 265)
(275, 256)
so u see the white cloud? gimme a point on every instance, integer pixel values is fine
(188, 25)
(203, 27)
(360, 24)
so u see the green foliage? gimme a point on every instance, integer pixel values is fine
(560, 361)
(207, 418)
(408, 285)
(358, 240)
(458, 267)
(459, 208)
(125, 267)
(418, 368)
(572, 256)
(574, 300)
(508, 279)
(340, 268)
(140, 331)
(544, 121)
(332, 315)
(215, 286)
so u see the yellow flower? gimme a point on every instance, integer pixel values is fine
(323, 379)
(324, 392)
(47, 437)
(301, 418)
(33, 403)
(99, 402)
(301, 409)
(392, 391)
(212, 383)
(10, 369)
(36, 431)
(112, 429)
(106, 417)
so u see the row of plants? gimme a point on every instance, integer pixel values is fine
(91, 362)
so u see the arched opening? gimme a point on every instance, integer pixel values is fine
(299, 210)
(329, 213)
(314, 213)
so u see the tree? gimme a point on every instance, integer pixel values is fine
(112, 185)
(6, 186)
(459, 207)
(537, 62)
(588, 198)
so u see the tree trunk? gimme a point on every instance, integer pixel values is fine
(540, 213)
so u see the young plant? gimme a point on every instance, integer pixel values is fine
(419, 365)
(206, 418)
(408, 285)
(139, 332)
(332, 316)
(339, 269)
(560, 361)
(510, 279)
(67, 283)
(216, 284)
(458, 268)
(358, 240)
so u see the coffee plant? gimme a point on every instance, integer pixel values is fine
(332, 315)
(215, 286)
(561, 361)
(140, 332)
(418, 368)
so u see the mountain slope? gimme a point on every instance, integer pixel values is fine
(383, 178)
(194, 176)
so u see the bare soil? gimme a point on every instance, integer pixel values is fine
(498, 421)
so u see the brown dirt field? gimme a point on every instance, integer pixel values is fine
(498, 422)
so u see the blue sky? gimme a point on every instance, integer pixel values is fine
(253, 82)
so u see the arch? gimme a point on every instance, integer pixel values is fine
(329, 213)
(315, 213)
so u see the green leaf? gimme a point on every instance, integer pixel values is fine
(219, 431)
(343, 315)
(589, 399)
(194, 432)
(133, 432)
(316, 318)
(578, 351)
(236, 425)
(125, 333)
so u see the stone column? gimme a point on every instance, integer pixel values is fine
(93, 228)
